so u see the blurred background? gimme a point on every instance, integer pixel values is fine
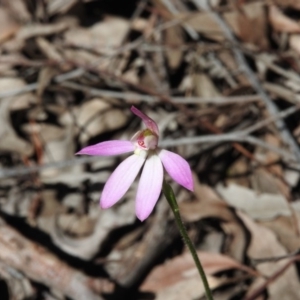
(221, 79)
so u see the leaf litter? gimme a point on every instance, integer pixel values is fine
(69, 73)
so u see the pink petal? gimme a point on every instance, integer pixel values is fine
(120, 180)
(147, 121)
(178, 168)
(108, 148)
(149, 187)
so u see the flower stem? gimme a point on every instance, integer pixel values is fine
(169, 194)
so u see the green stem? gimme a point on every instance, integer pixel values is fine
(169, 194)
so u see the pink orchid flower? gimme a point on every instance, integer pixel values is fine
(144, 145)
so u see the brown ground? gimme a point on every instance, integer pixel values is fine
(221, 80)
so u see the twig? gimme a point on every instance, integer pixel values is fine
(284, 73)
(128, 96)
(256, 261)
(18, 91)
(191, 31)
(287, 137)
(283, 114)
(230, 137)
(237, 136)
(272, 278)
(213, 138)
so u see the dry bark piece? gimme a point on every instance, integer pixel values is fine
(19, 286)
(42, 266)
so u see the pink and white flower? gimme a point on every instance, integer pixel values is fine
(146, 153)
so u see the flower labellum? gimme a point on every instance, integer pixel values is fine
(146, 154)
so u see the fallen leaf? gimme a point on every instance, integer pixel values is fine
(10, 141)
(97, 116)
(253, 29)
(264, 244)
(59, 6)
(180, 267)
(288, 3)
(175, 278)
(208, 204)
(280, 22)
(258, 206)
(285, 229)
(174, 38)
(8, 27)
(103, 37)
(294, 42)
(204, 86)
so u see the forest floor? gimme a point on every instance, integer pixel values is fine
(220, 78)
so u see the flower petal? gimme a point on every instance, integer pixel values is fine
(147, 121)
(108, 148)
(149, 187)
(178, 168)
(120, 180)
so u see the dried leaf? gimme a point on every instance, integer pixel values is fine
(8, 27)
(286, 231)
(253, 23)
(97, 116)
(10, 141)
(264, 244)
(59, 6)
(258, 206)
(35, 30)
(288, 3)
(281, 22)
(210, 205)
(103, 37)
(204, 87)
(166, 279)
(174, 38)
(294, 42)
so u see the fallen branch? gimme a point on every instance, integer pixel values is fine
(40, 265)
